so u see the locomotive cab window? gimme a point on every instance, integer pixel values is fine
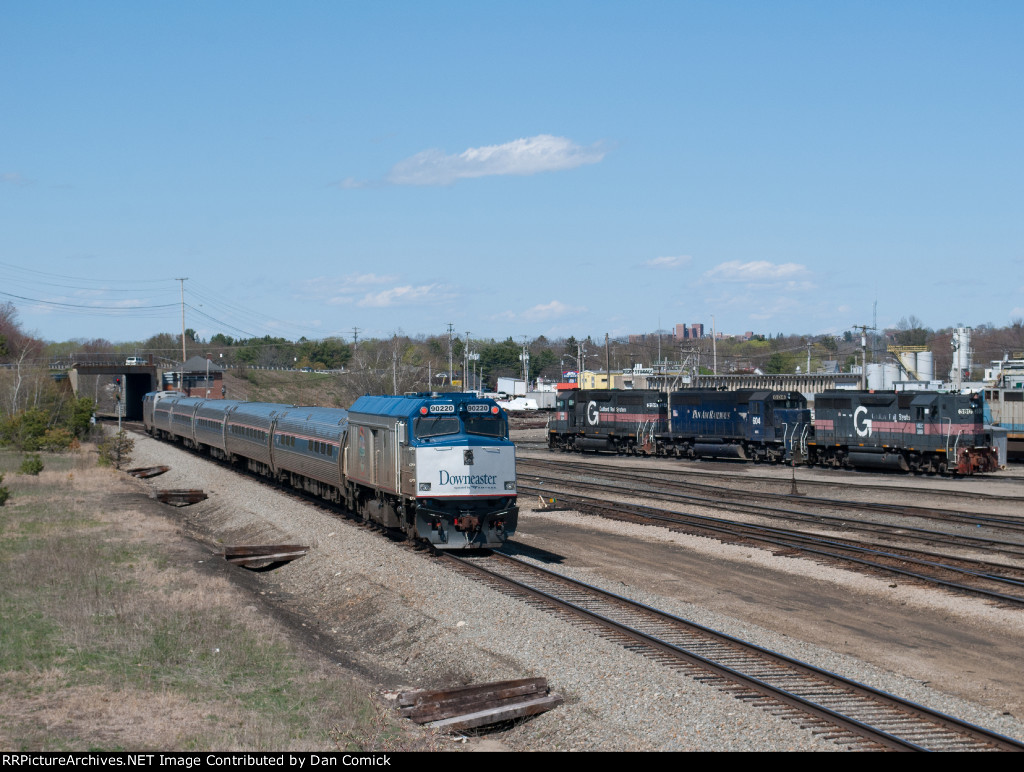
(488, 425)
(435, 426)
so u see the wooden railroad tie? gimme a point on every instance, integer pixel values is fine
(264, 555)
(472, 706)
(148, 471)
(180, 497)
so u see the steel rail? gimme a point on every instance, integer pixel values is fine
(754, 532)
(765, 510)
(1009, 549)
(665, 478)
(843, 477)
(805, 702)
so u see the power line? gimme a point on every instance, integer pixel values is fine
(99, 308)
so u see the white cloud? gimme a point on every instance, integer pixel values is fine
(351, 183)
(556, 309)
(756, 272)
(530, 155)
(14, 178)
(407, 294)
(341, 290)
(677, 261)
(553, 310)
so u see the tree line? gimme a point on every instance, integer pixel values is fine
(401, 362)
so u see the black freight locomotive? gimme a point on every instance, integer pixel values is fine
(914, 431)
(616, 420)
(920, 431)
(758, 425)
(752, 424)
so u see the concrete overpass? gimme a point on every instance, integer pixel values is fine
(97, 381)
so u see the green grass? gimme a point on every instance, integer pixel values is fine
(91, 615)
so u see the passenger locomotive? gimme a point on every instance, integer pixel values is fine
(439, 467)
(920, 432)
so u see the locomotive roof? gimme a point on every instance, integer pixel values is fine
(408, 404)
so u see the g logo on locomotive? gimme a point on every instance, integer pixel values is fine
(863, 429)
(592, 413)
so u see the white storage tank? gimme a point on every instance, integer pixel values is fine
(890, 374)
(909, 360)
(875, 376)
(925, 366)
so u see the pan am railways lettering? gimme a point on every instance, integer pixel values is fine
(467, 479)
(711, 415)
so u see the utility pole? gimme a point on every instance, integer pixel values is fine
(525, 357)
(607, 362)
(465, 363)
(451, 327)
(863, 353)
(714, 347)
(355, 339)
(182, 329)
(394, 364)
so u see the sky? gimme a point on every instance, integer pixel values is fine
(509, 168)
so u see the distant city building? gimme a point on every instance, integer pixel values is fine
(693, 332)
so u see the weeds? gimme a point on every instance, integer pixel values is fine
(31, 465)
(116, 450)
(111, 640)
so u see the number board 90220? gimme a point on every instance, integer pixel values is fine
(477, 408)
(442, 408)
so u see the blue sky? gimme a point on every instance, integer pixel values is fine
(556, 168)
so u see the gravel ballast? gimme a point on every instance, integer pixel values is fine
(393, 614)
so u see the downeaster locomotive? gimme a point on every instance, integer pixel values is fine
(440, 467)
(920, 431)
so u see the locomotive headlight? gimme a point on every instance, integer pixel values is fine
(510, 485)
(424, 486)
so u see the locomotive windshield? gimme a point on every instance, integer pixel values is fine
(436, 426)
(488, 425)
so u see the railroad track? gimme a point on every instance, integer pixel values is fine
(822, 704)
(999, 582)
(669, 487)
(844, 710)
(709, 469)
